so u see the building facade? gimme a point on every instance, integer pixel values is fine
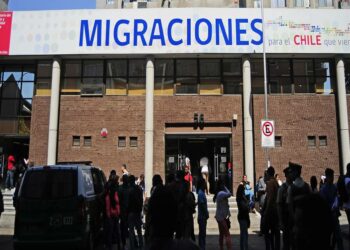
(149, 92)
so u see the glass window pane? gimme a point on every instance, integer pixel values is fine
(28, 73)
(186, 67)
(116, 68)
(186, 85)
(164, 67)
(72, 68)
(12, 73)
(71, 85)
(231, 67)
(93, 68)
(137, 67)
(24, 125)
(304, 84)
(324, 85)
(121, 141)
(27, 89)
(43, 83)
(233, 85)
(257, 85)
(164, 86)
(44, 69)
(347, 75)
(280, 85)
(210, 86)
(92, 80)
(116, 86)
(303, 67)
(11, 89)
(137, 86)
(10, 107)
(322, 68)
(279, 67)
(26, 107)
(209, 67)
(257, 67)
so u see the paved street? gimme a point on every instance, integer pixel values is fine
(255, 242)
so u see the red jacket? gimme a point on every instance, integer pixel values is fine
(10, 162)
(112, 211)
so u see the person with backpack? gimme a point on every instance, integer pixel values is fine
(112, 215)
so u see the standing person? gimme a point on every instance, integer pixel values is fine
(123, 199)
(248, 191)
(330, 194)
(346, 200)
(223, 214)
(295, 193)
(313, 184)
(261, 187)
(278, 179)
(124, 170)
(135, 204)
(112, 215)
(188, 177)
(10, 172)
(282, 209)
(203, 213)
(204, 162)
(243, 216)
(270, 218)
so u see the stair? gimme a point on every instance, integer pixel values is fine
(8, 216)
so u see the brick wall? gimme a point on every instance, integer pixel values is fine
(39, 130)
(297, 117)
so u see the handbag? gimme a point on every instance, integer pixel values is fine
(228, 222)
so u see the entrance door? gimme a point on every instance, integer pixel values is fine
(214, 147)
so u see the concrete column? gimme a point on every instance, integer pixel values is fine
(248, 122)
(343, 114)
(54, 110)
(149, 125)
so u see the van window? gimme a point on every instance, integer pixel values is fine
(49, 184)
(98, 181)
(88, 183)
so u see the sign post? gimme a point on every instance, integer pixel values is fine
(267, 133)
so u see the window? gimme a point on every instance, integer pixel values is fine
(76, 141)
(325, 3)
(137, 75)
(87, 141)
(278, 141)
(324, 76)
(210, 77)
(257, 76)
(232, 76)
(303, 76)
(278, 4)
(347, 75)
(323, 141)
(280, 76)
(311, 141)
(71, 77)
(133, 141)
(121, 141)
(164, 77)
(186, 81)
(43, 78)
(92, 81)
(16, 94)
(88, 182)
(117, 71)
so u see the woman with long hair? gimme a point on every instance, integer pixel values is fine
(222, 214)
(112, 215)
(243, 216)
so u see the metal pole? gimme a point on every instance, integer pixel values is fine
(265, 75)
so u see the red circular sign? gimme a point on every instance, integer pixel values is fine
(267, 128)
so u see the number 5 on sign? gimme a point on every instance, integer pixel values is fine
(267, 133)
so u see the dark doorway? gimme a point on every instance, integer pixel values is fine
(217, 148)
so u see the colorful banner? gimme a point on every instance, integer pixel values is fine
(179, 31)
(5, 32)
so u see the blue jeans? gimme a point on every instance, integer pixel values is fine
(243, 227)
(9, 179)
(202, 223)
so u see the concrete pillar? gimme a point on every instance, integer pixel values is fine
(248, 122)
(343, 114)
(149, 125)
(54, 110)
